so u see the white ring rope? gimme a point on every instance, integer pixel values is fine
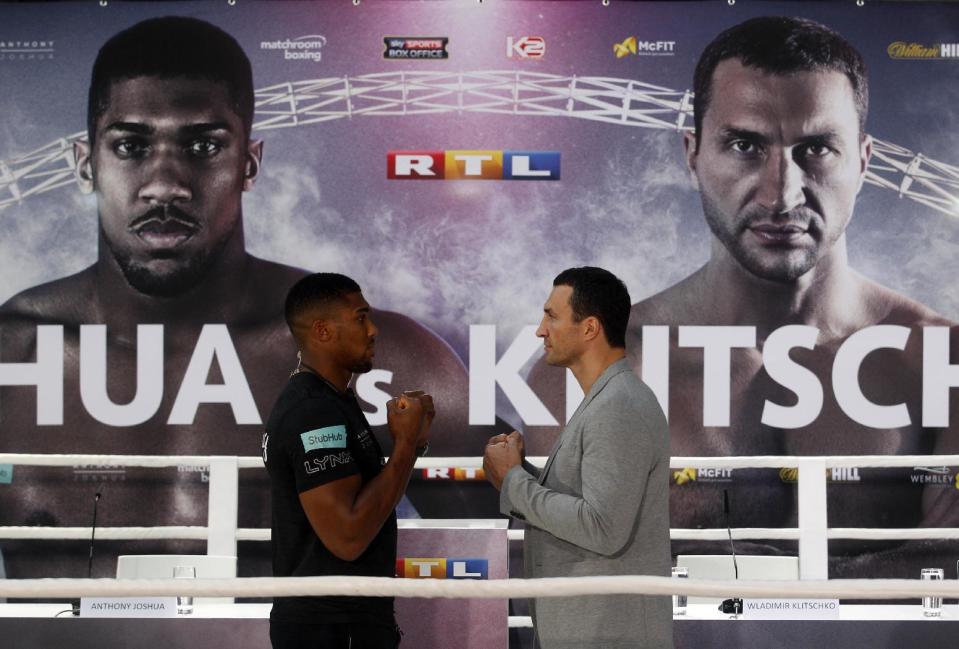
(108, 533)
(780, 461)
(480, 589)
(252, 534)
(473, 462)
(150, 461)
(187, 533)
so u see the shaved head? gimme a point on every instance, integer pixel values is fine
(315, 297)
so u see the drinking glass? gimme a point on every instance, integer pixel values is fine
(931, 606)
(184, 603)
(679, 601)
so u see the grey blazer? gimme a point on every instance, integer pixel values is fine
(600, 506)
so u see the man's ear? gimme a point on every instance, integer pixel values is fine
(591, 327)
(254, 155)
(83, 169)
(865, 153)
(691, 151)
(323, 330)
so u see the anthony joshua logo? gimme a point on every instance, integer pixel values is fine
(26, 50)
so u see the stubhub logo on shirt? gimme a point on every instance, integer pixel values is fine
(329, 437)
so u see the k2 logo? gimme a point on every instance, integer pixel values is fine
(266, 440)
(527, 47)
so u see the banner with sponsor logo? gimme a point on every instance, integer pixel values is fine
(793, 277)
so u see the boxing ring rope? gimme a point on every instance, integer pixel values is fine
(476, 462)
(873, 589)
(222, 534)
(199, 533)
(812, 535)
(254, 534)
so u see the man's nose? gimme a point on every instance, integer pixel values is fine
(781, 183)
(167, 179)
(541, 330)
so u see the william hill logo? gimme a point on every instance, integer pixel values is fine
(917, 51)
(790, 475)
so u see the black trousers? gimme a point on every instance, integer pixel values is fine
(291, 635)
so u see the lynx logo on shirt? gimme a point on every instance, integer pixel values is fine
(329, 437)
(331, 461)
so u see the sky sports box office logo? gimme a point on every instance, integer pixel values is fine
(472, 165)
(415, 47)
(442, 568)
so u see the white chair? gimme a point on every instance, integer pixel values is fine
(160, 566)
(720, 567)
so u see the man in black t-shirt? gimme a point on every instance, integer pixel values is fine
(333, 497)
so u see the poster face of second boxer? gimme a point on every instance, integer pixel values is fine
(160, 333)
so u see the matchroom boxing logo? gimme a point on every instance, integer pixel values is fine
(301, 48)
(472, 165)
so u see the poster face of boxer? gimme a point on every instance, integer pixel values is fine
(792, 263)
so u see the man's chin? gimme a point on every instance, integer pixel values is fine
(362, 367)
(165, 283)
(553, 361)
(782, 270)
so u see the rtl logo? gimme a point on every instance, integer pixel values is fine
(457, 474)
(472, 165)
(442, 568)
(527, 47)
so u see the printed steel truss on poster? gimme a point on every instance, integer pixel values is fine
(625, 102)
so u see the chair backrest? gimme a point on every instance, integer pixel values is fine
(160, 566)
(720, 567)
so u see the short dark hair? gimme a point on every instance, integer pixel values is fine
(781, 45)
(316, 290)
(169, 47)
(599, 293)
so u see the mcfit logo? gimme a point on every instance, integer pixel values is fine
(685, 475)
(636, 47)
(472, 165)
(441, 568)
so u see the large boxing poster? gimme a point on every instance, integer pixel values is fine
(453, 158)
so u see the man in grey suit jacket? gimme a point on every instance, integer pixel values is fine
(600, 505)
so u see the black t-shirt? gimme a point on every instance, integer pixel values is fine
(315, 435)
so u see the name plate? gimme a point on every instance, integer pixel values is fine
(128, 607)
(791, 609)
